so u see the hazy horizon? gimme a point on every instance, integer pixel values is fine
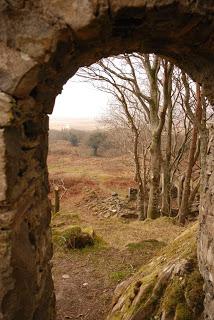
(79, 101)
(86, 124)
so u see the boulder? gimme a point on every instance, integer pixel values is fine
(170, 287)
(75, 237)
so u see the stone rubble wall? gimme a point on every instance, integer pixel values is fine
(206, 236)
(26, 288)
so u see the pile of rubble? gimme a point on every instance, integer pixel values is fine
(111, 206)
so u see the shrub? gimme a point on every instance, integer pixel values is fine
(95, 141)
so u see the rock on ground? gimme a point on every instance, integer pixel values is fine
(168, 288)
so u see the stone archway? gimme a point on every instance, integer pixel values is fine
(42, 44)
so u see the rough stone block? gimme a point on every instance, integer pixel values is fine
(81, 15)
(6, 109)
(3, 184)
(70, 10)
(22, 73)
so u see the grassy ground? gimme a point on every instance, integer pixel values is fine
(85, 279)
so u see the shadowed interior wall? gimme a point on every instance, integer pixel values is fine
(42, 44)
(26, 289)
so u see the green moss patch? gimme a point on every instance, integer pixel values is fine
(174, 296)
(64, 218)
(149, 244)
(74, 237)
(119, 276)
(169, 285)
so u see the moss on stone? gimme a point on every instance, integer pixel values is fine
(169, 285)
(174, 294)
(183, 313)
(71, 230)
(89, 230)
(146, 244)
(73, 237)
(119, 276)
(194, 294)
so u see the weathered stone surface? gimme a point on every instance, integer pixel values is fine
(26, 288)
(18, 4)
(3, 185)
(170, 287)
(22, 74)
(6, 109)
(77, 238)
(206, 240)
(80, 15)
(62, 35)
(42, 44)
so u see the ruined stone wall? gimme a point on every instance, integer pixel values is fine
(26, 289)
(42, 44)
(206, 236)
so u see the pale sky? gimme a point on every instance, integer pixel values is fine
(79, 100)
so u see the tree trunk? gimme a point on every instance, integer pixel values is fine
(57, 200)
(184, 208)
(194, 193)
(166, 181)
(157, 123)
(180, 190)
(166, 189)
(154, 193)
(141, 203)
(145, 200)
(138, 179)
(95, 151)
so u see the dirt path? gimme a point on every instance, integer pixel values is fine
(85, 279)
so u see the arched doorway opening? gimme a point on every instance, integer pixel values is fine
(42, 45)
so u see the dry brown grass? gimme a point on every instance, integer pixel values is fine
(68, 164)
(62, 147)
(103, 266)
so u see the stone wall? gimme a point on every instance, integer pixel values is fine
(26, 289)
(42, 44)
(206, 237)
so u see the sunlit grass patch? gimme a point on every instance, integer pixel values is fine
(99, 244)
(63, 235)
(122, 273)
(146, 244)
(64, 218)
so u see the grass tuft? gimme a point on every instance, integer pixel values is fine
(146, 244)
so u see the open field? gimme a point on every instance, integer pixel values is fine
(79, 124)
(85, 279)
(109, 174)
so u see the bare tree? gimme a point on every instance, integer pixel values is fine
(193, 152)
(134, 80)
(113, 81)
(166, 163)
(149, 90)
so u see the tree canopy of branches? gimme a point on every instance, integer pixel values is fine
(150, 92)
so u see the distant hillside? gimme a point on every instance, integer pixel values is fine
(78, 124)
